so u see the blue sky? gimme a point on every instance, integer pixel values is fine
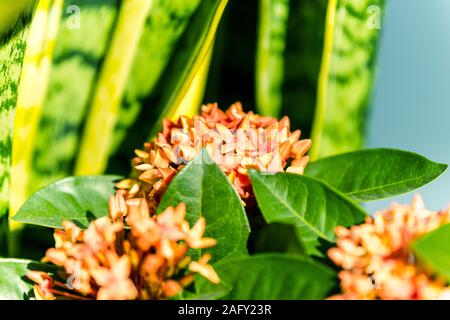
(411, 102)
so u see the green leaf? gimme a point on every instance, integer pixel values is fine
(12, 51)
(77, 199)
(207, 193)
(305, 202)
(14, 285)
(273, 17)
(433, 250)
(376, 173)
(277, 237)
(272, 277)
(34, 78)
(178, 36)
(113, 78)
(194, 49)
(166, 25)
(346, 76)
(81, 45)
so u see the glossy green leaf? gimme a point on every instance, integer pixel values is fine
(77, 199)
(207, 193)
(305, 202)
(14, 285)
(375, 173)
(12, 51)
(273, 16)
(433, 250)
(346, 76)
(272, 277)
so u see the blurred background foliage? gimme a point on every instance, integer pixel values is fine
(98, 76)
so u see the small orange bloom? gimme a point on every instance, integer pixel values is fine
(376, 258)
(237, 141)
(108, 261)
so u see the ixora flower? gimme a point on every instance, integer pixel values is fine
(377, 260)
(236, 141)
(147, 260)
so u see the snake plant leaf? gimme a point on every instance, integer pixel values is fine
(11, 12)
(14, 285)
(194, 49)
(309, 204)
(208, 193)
(167, 77)
(272, 29)
(346, 76)
(189, 106)
(104, 111)
(165, 26)
(192, 52)
(432, 250)
(81, 44)
(77, 199)
(31, 94)
(272, 277)
(12, 51)
(375, 173)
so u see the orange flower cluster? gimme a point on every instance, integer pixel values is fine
(377, 260)
(236, 141)
(109, 261)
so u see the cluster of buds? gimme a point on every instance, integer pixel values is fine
(236, 141)
(147, 260)
(377, 260)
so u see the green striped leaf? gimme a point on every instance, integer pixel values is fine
(346, 76)
(11, 12)
(32, 89)
(165, 26)
(12, 51)
(82, 42)
(193, 50)
(105, 106)
(272, 28)
(175, 43)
